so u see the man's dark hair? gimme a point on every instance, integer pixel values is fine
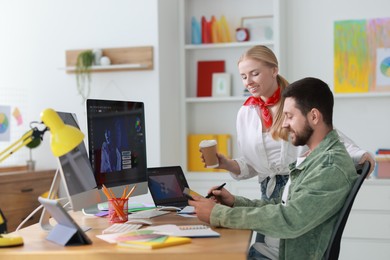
(310, 93)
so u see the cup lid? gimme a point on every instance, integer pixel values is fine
(207, 143)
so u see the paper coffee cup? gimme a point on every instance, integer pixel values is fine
(209, 150)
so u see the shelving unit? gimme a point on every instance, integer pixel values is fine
(362, 95)
(122, 59)
(202, 115)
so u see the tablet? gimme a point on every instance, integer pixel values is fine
(67, 232)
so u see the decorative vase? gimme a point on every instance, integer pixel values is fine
(105, 61)
(97, 55)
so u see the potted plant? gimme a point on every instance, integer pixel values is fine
(84, 62)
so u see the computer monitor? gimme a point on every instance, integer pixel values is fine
(117, 144)
(78, 179)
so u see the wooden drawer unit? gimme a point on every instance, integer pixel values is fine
(19, 195)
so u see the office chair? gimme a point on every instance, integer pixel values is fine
(333, 250)
(3, 223)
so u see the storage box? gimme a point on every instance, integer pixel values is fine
(194, 156)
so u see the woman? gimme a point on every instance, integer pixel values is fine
(262, 142)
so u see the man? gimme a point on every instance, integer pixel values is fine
(304, 215)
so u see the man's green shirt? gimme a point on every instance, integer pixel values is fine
(319, 187)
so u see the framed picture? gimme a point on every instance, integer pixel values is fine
(221, 85)
(260, 27)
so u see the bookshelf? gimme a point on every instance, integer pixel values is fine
(202, 115)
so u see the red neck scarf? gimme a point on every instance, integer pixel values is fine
(265, 113)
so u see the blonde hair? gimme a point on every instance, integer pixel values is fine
(265, 55)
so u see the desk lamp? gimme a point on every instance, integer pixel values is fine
(64, 138)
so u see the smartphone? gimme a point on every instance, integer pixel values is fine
(188, 193)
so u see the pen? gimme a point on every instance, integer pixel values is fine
(219, 188)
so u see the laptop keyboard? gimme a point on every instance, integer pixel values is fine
(148, 213)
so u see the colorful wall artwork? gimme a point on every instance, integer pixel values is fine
(362, 55)
(5, 112)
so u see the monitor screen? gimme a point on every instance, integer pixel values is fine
(117, 143)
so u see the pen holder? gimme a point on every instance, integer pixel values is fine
(118, 210)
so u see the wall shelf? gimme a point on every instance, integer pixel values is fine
(122, 59)
(362, 95)
(110, 67)
(227, 45)
(216, 99)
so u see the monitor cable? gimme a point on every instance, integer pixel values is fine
(32, 214)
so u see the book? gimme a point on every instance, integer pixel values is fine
(160, 242)
(140, 236)
(383, 151)
(205, 76)
(206, 30)
(225, 31)
(196, 35)
(184, 230)
(136, 235)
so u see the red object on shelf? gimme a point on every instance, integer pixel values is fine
(206, 30)
(205, 76)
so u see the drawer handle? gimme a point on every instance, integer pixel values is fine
(27, 190)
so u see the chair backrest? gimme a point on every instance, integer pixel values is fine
(333, 251)
(3, 223)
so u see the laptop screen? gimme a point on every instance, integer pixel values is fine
(166, 185)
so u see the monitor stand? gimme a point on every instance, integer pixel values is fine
(44, 220)
(91, 211)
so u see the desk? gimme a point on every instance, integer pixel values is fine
(233, 244)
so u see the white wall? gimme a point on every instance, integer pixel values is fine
(309, 42)
(34, 38)
(36, 34)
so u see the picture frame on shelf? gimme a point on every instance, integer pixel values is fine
(221, 86)
(260, 27)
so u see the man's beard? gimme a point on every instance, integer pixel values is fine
(301, 138)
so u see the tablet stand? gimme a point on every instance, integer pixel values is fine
(66, 232)
(66, 236)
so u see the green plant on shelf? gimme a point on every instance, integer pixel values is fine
(84, 62)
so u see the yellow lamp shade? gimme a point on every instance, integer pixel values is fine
(64, 138)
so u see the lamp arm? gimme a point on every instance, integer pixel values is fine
(24, 140)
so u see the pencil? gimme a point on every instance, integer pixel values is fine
(105, 191)
(124, 192)
(131, 191)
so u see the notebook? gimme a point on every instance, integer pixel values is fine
(166, 185)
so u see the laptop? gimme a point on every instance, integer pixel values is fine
(166, 185)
